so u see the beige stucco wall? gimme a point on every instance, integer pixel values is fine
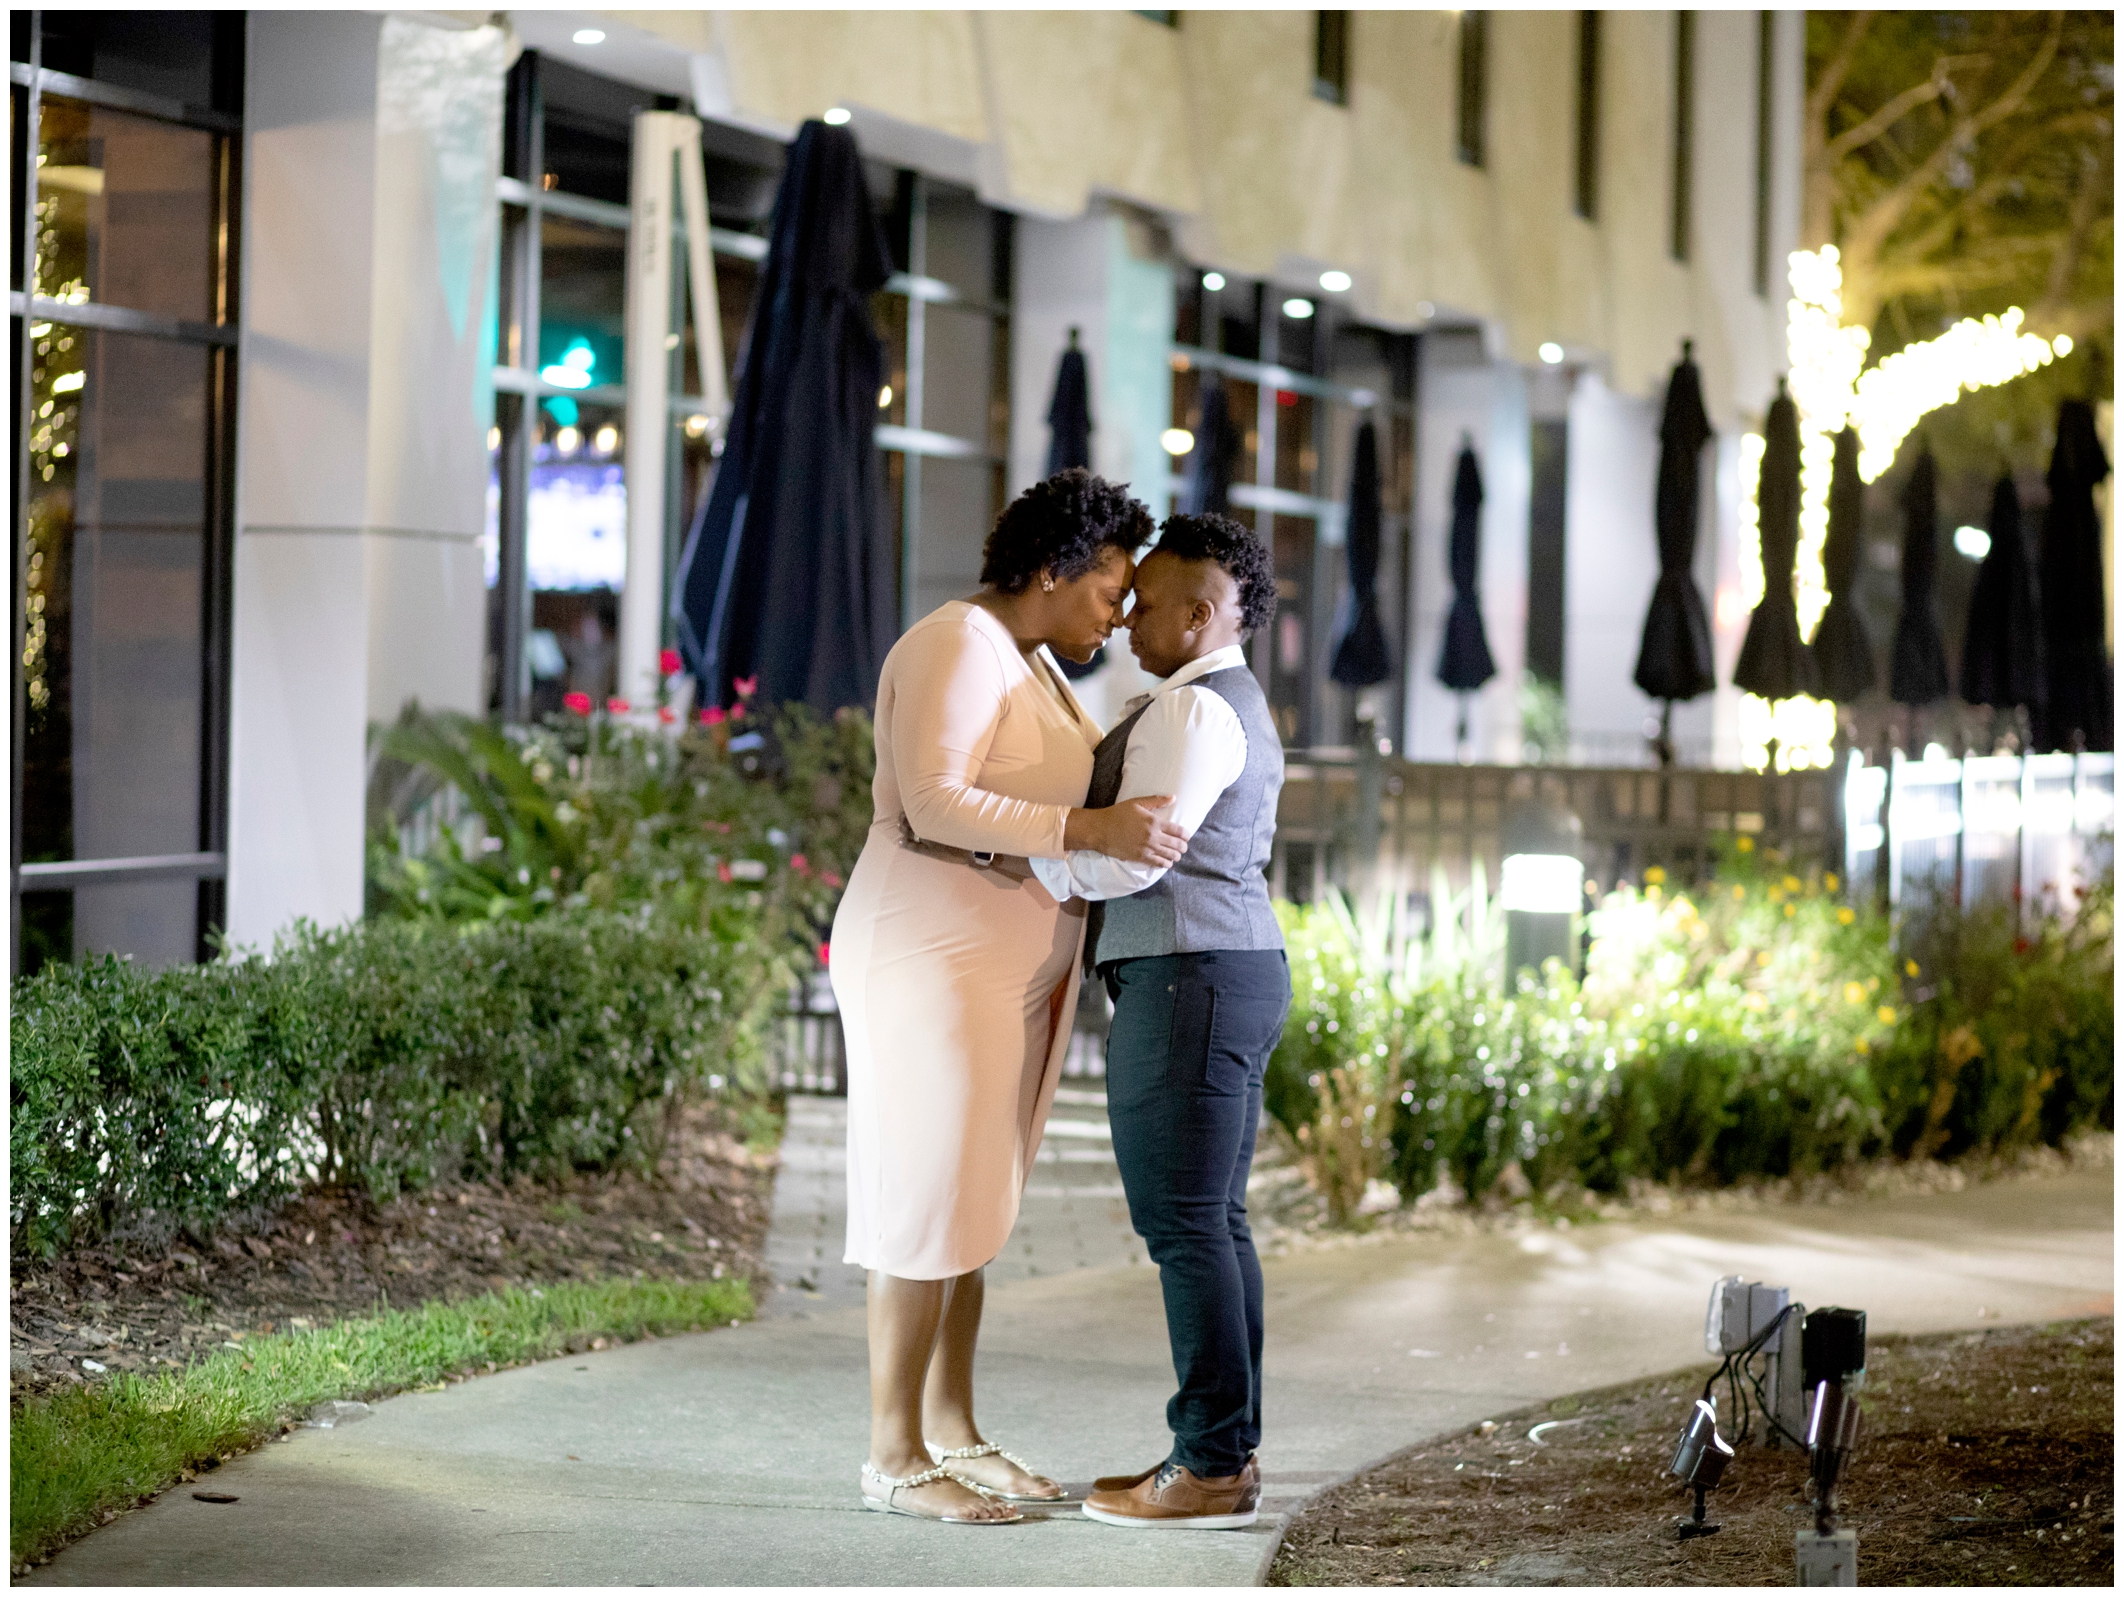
(1213, 125)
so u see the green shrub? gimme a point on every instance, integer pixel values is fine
(387, 1055)
(1760, 1027)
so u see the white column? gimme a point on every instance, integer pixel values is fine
(369, 220)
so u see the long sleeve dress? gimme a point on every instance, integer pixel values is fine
(956, 985)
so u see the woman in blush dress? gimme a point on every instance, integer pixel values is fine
(956, 972)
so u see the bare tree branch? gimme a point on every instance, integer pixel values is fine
(1887, 116)
(1837, 68)
(1883, 215)
(2065, 265)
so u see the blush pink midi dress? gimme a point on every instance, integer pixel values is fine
(957, 986)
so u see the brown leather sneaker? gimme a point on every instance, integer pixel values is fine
(1173, 1497)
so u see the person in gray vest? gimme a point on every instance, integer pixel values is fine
(1193, 959)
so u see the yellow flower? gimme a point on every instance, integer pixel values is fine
(1846, 915)
(1762, 959)
(1830, 883)
(1885, 1015)
(1854, 993)
(1739, 892)
(1758, 1002)
(1652, 895)
(1745, 845)
(1863, 1046)
(1792, 884)
(1654, 876)
(1776, 895)
(1910, 967)
(1684, 909)
(1790, 910)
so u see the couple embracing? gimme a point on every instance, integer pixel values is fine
(1012, 847)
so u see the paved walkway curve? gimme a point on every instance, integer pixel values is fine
(730, 1458)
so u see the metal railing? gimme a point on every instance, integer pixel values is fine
(2029, 828)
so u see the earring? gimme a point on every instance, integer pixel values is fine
(1047, 584)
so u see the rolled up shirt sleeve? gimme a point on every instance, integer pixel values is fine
(1189, 744)
(948, 703)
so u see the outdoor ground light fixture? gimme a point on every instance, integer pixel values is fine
(1700, 1461)
(1833, 1351)
(1542, 885)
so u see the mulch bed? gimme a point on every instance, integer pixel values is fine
(1983, 1458)
(332, 1254)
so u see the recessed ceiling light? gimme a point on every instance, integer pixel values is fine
(1298, 309)
(1334, 282)
(1551, 354)
(589, 36)
(836, 116)
(1213, 281)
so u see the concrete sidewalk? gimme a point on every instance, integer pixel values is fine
(730, 1458)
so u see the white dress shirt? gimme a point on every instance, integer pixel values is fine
(1189, 744)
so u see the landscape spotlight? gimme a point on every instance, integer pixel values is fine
(1700, 1460)
(1542, 885)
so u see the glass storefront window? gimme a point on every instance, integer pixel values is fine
(125, 212)
(582, 327)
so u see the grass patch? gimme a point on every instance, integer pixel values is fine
(103, 1447)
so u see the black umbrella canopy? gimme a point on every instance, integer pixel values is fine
(1674, 658)
(1917, 672)
(1843, 654)
(1361, 658)
(1069, 419)
(2077, 710)
(1774, 663)
(2002, 644)
(1464, 664)
(1209, 463)
(787, 574)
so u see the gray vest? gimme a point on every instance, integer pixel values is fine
(1217, 897)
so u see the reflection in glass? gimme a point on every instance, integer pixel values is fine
(125, 212)
(582, 303)
(113, 625)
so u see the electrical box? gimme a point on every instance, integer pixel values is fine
(1741, 1310)
(1830, 1560)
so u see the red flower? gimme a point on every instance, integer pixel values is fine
(2021, 945)
(825, 953)
(722, 871)
(830, 878)
(737, 712)
(800, 865)
(712, 716)
(746, 686)
(666, 714)
(618, 705)
(578, 702)
(668, 662)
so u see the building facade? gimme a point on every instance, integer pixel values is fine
(321, 342)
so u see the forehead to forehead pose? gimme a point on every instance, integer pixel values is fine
(1193, 959)
(956, 971)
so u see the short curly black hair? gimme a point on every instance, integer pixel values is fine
(1239, 552)
(1064, 525)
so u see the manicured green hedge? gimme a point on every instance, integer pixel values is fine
(386, 1055)
(1761, 1027)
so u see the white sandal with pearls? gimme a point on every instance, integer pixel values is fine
(943, 1455)
(891, 1486)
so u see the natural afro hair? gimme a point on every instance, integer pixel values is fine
(1221, 539)
(1063, 526)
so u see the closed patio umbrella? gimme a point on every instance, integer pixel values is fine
(1843, 654)
(1774, 664)
(1209, 463)
(1069, 430)
(1674, 655)
(2077, 710)
(1917, 672)
(1464, 663)
(1069, 419)
(787, 574)
(2002, 643)
(1361, 658)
